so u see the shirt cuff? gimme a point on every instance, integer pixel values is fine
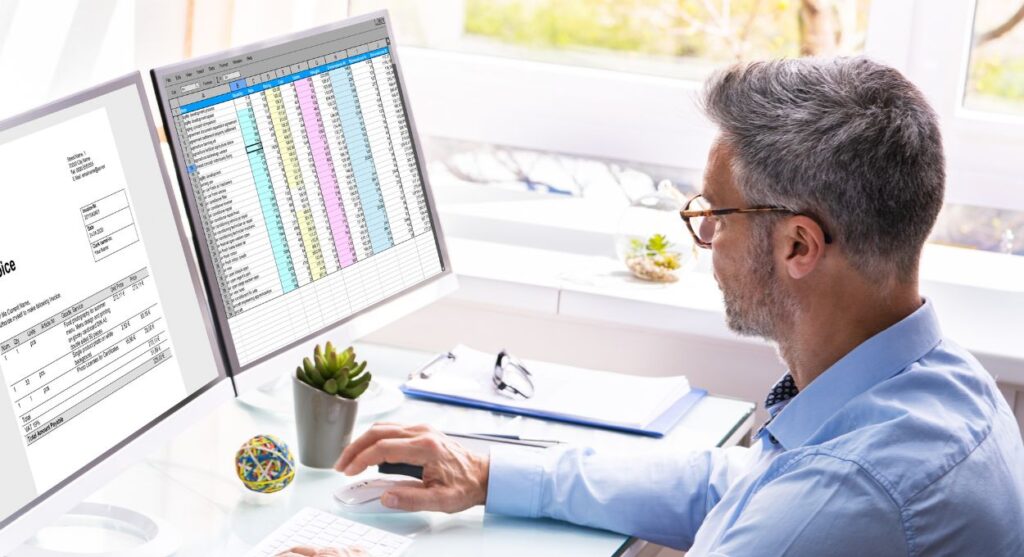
(514, 481)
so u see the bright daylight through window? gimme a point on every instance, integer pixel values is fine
(686, 40)
(996, 76)
(676, 38)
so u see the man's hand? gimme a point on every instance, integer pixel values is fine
(306, 551)
(454, 478)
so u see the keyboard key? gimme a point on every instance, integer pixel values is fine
(319, 528)
(359, 529)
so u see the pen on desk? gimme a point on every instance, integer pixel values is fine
(498, 435)
(511, 438)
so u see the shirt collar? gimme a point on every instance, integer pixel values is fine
(873, 361)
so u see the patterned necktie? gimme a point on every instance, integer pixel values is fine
(784, 390)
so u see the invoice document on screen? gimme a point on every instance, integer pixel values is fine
(85, 354)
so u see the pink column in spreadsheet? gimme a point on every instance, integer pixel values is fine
(324, 171)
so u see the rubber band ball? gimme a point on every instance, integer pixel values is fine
(265, 464)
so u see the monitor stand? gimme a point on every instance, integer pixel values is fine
(98, 530)
(273, 397)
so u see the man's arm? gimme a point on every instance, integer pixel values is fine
(819, 505)
(661, 497)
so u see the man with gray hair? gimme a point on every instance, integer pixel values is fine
(883, 437)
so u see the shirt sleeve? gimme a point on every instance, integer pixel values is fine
(660, 497)
(820, 505)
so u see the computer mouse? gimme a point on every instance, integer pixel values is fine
(363, 496)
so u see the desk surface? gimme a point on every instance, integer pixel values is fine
(191, 483)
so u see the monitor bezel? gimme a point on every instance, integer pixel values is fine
(23, 522)
(206, 263)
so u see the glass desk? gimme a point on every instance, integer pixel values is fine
(191, 485)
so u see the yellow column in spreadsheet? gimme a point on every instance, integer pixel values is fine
(285, 140)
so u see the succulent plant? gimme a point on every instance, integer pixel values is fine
(658, 249)
(335, 373)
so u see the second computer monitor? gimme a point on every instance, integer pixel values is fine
(303, 179)
(105, 345)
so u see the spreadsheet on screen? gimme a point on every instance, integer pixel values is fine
(303, 171)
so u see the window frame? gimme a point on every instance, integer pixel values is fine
(561, 108)
(550, 107)
(982, 148)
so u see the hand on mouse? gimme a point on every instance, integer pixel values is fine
(306, 551)
(454, 478)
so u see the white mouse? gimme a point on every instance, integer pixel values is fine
(363, 496)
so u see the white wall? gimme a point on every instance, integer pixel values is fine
(54, 48)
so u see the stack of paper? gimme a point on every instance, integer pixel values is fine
(645, 405)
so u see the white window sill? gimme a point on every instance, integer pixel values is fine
(554, 257)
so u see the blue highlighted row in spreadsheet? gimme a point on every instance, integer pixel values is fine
(242, 92)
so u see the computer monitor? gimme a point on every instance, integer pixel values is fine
(106, 345)
(305, 188)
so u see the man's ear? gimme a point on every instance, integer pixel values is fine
(803, 245)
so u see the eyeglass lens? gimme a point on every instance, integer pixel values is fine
(511, 372)
(704, 227)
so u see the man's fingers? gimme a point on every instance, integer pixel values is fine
(376, 433)
(411, 451)
(305, 550)
(379, 431)
(413, 498)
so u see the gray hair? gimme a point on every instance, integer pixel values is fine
(848, 140)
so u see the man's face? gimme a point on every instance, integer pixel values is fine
(755, 301)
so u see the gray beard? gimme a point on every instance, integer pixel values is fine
(757, 305)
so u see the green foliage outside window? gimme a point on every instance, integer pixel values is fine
(996, 76)
(714, 32)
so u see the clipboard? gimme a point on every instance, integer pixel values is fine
(658, 426)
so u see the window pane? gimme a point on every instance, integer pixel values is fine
(681, 38)
(996, 76)
(984, 228)
(466, 164)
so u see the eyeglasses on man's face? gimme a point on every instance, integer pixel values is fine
(702, 220)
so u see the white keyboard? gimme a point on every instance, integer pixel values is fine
(322, 529)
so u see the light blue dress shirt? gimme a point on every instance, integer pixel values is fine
(903, 447)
